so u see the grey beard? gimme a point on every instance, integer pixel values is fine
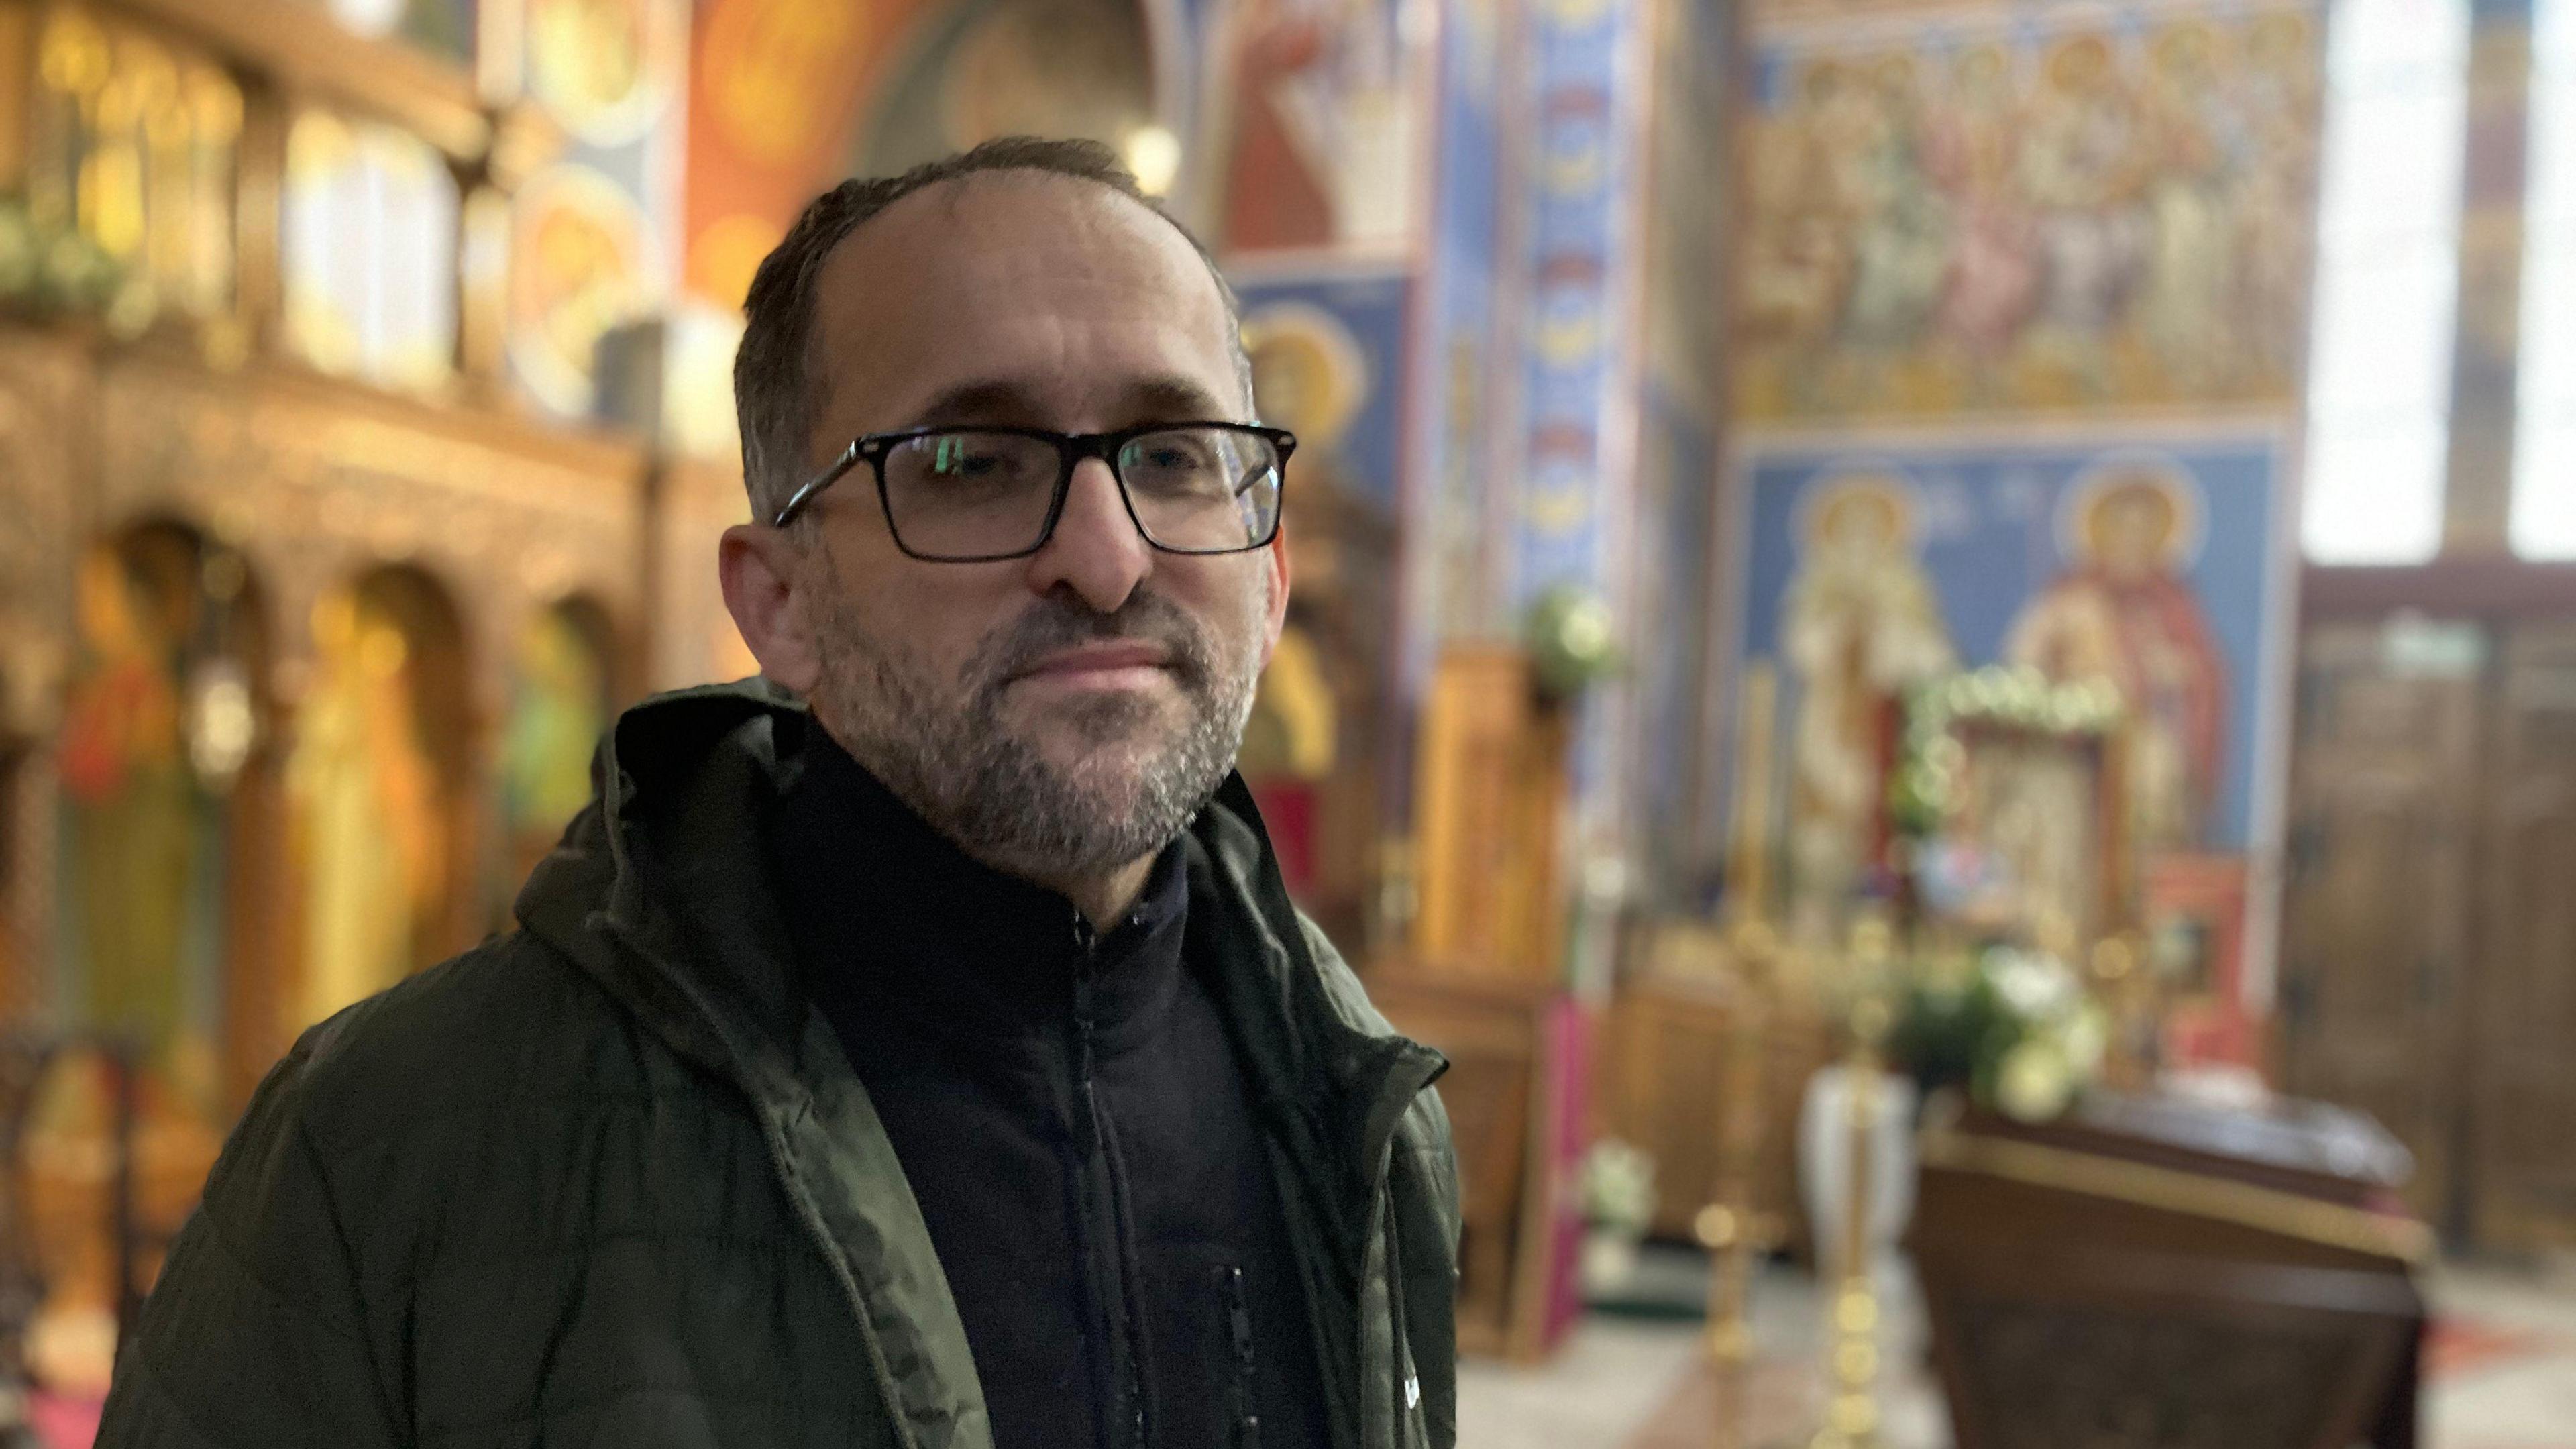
(951, 758)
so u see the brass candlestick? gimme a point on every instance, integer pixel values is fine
(2124, 982)
(1851, 1415)
(1732, 1227)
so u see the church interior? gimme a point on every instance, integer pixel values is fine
(1935, 640)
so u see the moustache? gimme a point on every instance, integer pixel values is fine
(1056, 624)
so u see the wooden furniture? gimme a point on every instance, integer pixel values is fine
(2522, 1096)
(2427, 924)
(23, 1057)
(1483, 983)
(2168, 1276)
(1489, 816)
(1665, 1061)
(1507, 1094)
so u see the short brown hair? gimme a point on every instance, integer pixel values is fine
(774, 372)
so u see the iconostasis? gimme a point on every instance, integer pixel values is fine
(327, 539)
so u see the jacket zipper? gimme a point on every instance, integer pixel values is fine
(1095, 1143)
(1238, 1320)
(1407, 1080)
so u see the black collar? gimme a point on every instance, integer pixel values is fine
(891, 916)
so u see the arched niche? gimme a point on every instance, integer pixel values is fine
(167, 769)
(977, 69)
(382, 812)
(565, 687)
(167, 776)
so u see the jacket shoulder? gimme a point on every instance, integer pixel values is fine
(511, 1024)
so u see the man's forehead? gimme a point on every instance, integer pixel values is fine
(1007, 263)
(978, 231)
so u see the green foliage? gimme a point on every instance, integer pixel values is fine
(1570, 635)
(1923, 788)
(49, 271)
(2015, 1027)
(1618, 1186)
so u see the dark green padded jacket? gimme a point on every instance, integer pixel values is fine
(609, 1180)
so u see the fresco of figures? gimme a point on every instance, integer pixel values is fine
(2146, 566)
(2065, 209)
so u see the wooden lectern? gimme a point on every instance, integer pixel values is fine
(2151, 1273)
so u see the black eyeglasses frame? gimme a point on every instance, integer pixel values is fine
(1071, 449)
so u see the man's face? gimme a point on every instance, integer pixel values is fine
(1062, 714)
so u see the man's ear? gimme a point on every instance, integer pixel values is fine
(760, 568)
(1278, 615)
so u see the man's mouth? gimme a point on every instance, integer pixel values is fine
(1111, 664)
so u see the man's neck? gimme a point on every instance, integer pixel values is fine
(1104, 900)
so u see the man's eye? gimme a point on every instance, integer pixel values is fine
(1173, 455)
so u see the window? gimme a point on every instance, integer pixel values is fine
(133, 146)
(2544, 454)
(2387, 284)
(370, 252)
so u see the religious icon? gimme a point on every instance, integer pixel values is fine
(1993, 276)
(157, 726)
(558, 709)
(1310, 376)
(1290, 748)
(1310, 135)
(2031, 807)
(606, 68)
(580, 264)
(1013, 67)
(2000, 214)
(2124, 612)
(1901, 243)
(147, 753)
(371, 819)
(1861, 625)
(1048, 67)
(2189, 284)
(133, 806)
(769, 76)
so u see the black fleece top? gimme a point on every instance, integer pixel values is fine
(1068, 1110)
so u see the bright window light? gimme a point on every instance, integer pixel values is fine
(2387, 286)
(2544, 452)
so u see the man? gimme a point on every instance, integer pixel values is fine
(937, 1062)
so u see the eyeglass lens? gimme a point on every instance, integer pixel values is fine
(967, 494)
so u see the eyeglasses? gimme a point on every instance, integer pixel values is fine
(974, 495)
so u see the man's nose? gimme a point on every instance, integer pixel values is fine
(1096, 549)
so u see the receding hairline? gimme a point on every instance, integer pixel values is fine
(951, 192)
(782, 370)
